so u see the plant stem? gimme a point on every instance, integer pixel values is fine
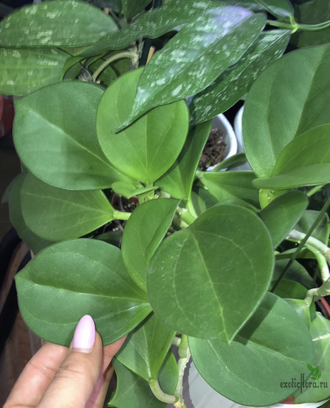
(185, 215)
(176, 341)
(321, 251)
(119, 55)
(119, 215)
(160, 394)
(315, 190)
(184, 354)
(294, 26)
(302, 243)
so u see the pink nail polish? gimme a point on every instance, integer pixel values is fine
(84, 335)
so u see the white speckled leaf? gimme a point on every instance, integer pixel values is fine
(25, 71)
(235, 82)
(152, 24)
(55, 23)
(197, 55)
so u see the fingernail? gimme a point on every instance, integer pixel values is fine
(84, 335)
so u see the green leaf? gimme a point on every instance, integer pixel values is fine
(152, 24)
(33, 241)
(178, 180)
(168, 375)
(304, 161)
(73, 278)
(311, 369)
(202, 200)
(202, 50)
(312, 12)
(148, 148)
(25, 71)
(143, 234)
(55, 214)
(67, 150)
(111, 237)
(132, 391)
(232, 184)
(272, 347)
(322, 230)
(302, 308)
(131, 8)
(129, 190)
(288, 208)
(236, 80)
(320, 328)
(296, 272)
(208, 279)
(55, 23)
(271, 119)
(232, 161)
(146, 348)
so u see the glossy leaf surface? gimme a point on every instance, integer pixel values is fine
(146, 348)
(236, 80)
(290, 289)
(129, 190)
(271, 119)
(150, 146)
(270, 351)
(178, 180)
(67, 149)
(320, 329)
(143, 234)
(200, 52)
(55, 214)
(190, 278)
(279, 8)
(60, 23)
(322, 230)
(288, 208)
(202, 199)
(25, 71)
(304, 161)
(302, 309)
(33, 241)
(75, 278)
(232, 184)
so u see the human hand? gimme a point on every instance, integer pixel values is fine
(59, 377)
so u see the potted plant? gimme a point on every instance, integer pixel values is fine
(200, 262)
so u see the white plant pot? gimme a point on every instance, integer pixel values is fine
(239, 136)
(199, 394)
(220, 122)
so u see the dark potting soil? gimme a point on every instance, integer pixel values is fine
(214, 149)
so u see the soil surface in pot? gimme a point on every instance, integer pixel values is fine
(214, 149)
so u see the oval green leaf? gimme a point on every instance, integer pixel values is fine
(55, 214)
(198, 54)
(143, 234)
(288, 208)
(304, 161)
(321, 231)
(146, 348)
(67, 149)
(208, 279)
(148, 148)
(55, 23)
(272, 119)
(73, 278)
(271, 348)
(25, 71)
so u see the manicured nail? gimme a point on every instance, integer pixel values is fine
(84, 335)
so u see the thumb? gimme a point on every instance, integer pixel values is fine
(74, 381)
